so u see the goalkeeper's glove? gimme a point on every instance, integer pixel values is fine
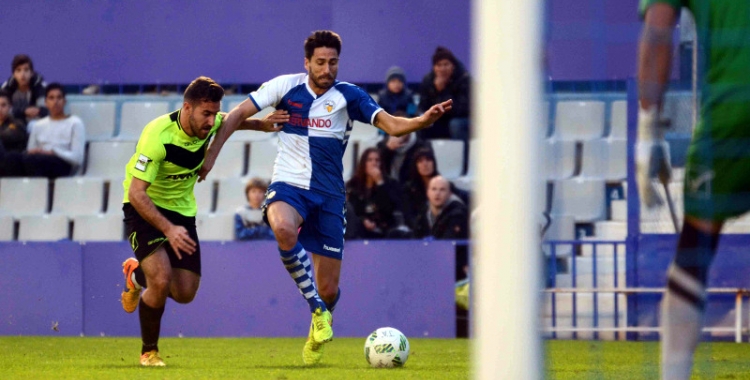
(651, 156)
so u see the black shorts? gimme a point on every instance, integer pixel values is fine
(145, 239)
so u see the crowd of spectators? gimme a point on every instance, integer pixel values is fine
(37, 140)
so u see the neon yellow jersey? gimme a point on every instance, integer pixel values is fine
(168, 159)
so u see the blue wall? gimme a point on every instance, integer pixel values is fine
(245, 291)
(233, 41)
(241, 41)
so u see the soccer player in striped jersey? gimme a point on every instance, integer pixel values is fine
(307, 188)
(717, 185)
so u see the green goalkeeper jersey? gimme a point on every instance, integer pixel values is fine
(168, 159)
(723, 31)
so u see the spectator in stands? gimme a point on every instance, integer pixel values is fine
(423, 168)
(397, 154)
(395, 97)
(248, 221)
(25, 87)
(447, 80)
(13, 135)
(56, 142)
(446, 216)
(374, 196)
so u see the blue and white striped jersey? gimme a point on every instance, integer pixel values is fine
(312, 144)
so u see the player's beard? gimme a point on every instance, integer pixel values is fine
(318, 84)
(194, 128)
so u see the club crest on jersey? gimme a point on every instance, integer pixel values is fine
(142, 162)
(329, 104)
(271, 194)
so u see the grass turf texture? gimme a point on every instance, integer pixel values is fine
(221, 358)
(640, 360)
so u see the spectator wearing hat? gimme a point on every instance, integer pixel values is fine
(448, 79)
(395, 97)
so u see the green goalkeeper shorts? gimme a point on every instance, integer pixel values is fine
(717, 179)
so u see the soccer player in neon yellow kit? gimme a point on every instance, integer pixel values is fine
(159, 206)
(717, 184)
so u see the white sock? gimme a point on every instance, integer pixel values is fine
(682, 320)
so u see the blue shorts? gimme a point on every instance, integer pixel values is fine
(323, 218)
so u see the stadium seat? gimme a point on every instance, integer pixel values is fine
(361, 131)
(262, 157)
(231, 194)
(97, 117)
(231, 160)
(23, 196)
(107, 159)
(136, 114)
(348, 161)
(6, 228)
(466, 181)
(204, 196)
(48, 227)
(583, 199)
(215, 227)
(579, 120)
(559, 159)
(450, 157)
(619, 210)
(562, 227)
(99, 227)
(115, 196)
(605, 159)
(619, 120)
(78, 196)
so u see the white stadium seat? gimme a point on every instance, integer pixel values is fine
(262, 157)
(23, 196)
(215, 227)
(78, 196)
(362, 131)
(348, 162)
(583, 199)
(619, 120)
(136, 114)
(97, 117)
(562, 227)
(231, 194)
(99, 227)
(579, 120)
(559, 159)
(204, 196)
(450, 157)
(231, 160)
(605, 159)
(115, 196)
(107, 159)
(47, 227)
(6, 228)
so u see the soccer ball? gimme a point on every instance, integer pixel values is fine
(386, 347)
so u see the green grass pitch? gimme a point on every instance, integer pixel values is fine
(281, 358)
(221, 358)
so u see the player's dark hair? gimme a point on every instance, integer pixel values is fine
(256, 183)
(19, 60)
(54, 86)
(4, 94)
(322, 38)
(359, 179)
(203, 89)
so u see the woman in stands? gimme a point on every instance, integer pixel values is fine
(374, 196)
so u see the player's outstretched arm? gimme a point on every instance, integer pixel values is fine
(230, 124)
(399, 126)
(177, 236)
(654, 61)
(272, 122)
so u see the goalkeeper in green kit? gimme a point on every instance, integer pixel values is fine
(717, 175)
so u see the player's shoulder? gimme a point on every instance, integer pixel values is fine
(163, 124)
(350, 90)
(289, 80)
